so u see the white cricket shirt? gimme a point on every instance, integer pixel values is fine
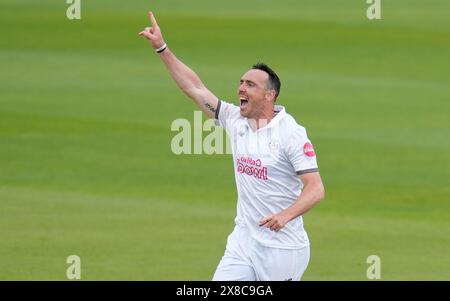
(267, 163)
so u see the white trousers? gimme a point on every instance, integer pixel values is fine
(245, 259)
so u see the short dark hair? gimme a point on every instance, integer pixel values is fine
(274, 81)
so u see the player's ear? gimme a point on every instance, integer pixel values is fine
(270, 95)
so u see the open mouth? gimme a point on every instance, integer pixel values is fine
(244, 102)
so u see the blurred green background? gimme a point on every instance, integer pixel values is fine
(86, 107)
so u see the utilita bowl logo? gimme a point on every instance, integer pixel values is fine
(308, 149)
(251, 167)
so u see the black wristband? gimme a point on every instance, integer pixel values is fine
(159, 50)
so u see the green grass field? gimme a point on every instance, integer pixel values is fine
(86, 107)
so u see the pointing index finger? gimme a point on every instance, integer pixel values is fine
(152, 19)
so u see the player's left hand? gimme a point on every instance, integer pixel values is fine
(274, 221)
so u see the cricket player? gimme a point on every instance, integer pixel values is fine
(276, 171)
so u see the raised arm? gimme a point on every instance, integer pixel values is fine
(186, 79)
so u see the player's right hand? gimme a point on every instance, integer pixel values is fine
(153, 33)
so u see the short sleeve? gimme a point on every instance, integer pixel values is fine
(227, 114)
(300, 152)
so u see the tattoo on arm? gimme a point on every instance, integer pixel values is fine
(210, 107)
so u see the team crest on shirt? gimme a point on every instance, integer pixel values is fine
(274, 145)
(308, 149)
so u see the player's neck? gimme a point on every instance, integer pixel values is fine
(262, 120)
